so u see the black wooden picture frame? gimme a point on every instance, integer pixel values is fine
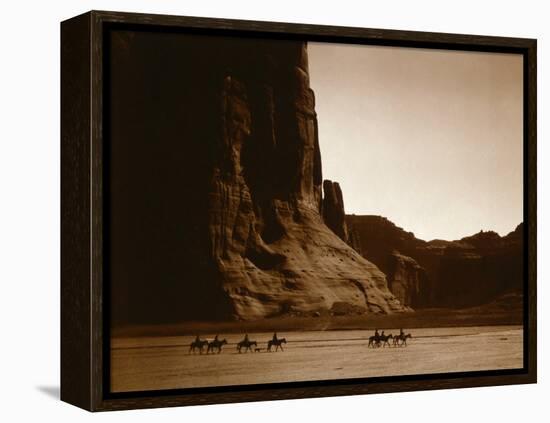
(84, 300)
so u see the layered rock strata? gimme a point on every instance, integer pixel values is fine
(270, 245)
(217, 205)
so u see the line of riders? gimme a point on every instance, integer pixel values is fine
(215, 345)
(382, 340)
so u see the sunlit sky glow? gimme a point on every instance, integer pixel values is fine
(430, 139)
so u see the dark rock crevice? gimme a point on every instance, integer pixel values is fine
(268, 239)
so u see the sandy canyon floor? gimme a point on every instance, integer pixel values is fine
(152, 363)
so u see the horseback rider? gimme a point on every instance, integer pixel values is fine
(216, 338)
(197, 339)
(376, 334)
(246, 338)
(274, 339)
(401, 333)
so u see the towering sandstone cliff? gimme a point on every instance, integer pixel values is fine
(270, 246)
(232, 222)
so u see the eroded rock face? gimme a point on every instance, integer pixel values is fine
(334, 214)
(477, 269)
(407, 280)
(270, 246)
(462, 273)
(218, 182)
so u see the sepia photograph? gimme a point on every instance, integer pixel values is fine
(284, 210)
(277, 212)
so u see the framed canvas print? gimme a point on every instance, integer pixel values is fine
(259, 210)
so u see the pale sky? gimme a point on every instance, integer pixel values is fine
(430, 139)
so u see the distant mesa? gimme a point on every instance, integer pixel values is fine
(467, 272)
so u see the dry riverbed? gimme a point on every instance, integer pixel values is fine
(164, 362)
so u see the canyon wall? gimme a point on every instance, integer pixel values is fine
(220, 212)
(468, 272)
(271, 248)
(216, 206)
(334, 213)
(407, 279)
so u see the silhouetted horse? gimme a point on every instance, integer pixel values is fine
(373, 341)
(247, 345)
(402, 338)
(276, 343)
(200, 344)
(380, 340)
(385, 340)
(216, 344)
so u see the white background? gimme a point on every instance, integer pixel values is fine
(29, 212)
